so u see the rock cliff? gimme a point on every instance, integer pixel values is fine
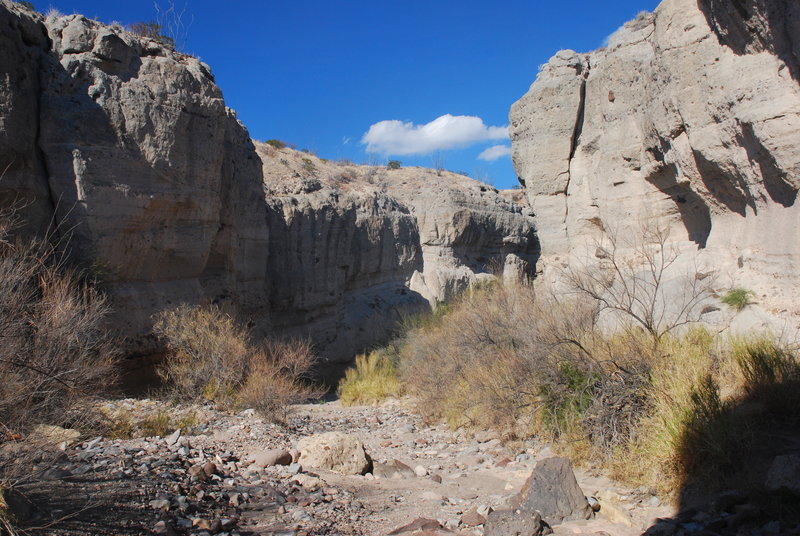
(125, 151)
(688, 117)
(354, 248)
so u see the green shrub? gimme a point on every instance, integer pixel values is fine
(738, 298)
(393, 164)
(277, 144)
(308, 165)
(373, 379)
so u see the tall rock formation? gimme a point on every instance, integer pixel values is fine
(125, 151)
(689, 117)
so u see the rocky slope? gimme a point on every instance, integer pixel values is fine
(689, 117)
(125, 150)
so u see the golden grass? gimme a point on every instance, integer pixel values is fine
(373, 379)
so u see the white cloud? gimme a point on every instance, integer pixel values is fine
(395, 137)
(345, 140)
(494, 152)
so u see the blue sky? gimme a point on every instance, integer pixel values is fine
(424, 82)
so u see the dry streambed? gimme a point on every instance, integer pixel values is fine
(238, 475)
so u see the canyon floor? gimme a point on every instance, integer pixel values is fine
(156, 485)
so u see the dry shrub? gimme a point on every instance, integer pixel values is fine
(373, 379)
(278, 378)
(56, 356)
(496, 359)
(212, 358)
(657, 407)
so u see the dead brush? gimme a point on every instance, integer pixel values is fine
(211, 357)
(56, 356)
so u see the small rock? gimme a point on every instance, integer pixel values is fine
(507, 522)
(173, 438)
(210, 468)
(420, 525)
(271, 457)
(160, 504)
(334, 451)
(472, 518)
(552, 490)
(420, 471)
(295, 468)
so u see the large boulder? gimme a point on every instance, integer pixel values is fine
(334, 451)
(553, 492)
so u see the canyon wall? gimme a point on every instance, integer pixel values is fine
(123, 151)
(688, 119)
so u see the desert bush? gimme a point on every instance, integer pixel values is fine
(640, 282)
(373, 379)
(653, 403)
(277, 144)
(56, 355)
(308, 165)
(152, 30)
(738, 298)
(394, 164)
(56, 352)
(211, 357)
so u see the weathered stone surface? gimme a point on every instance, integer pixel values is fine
(689, 118)
(353, 248)
(270, 457)
(553, 492)
(784, 473)
(393, 469)
(513, 523)
(129, 147)
(334, 451)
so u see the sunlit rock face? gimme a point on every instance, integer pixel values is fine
(688, 119)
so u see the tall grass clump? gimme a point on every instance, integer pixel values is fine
(373, 379)
(211, 357)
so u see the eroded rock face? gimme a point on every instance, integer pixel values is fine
(126, 151)
(690, 118)
(354, 249)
